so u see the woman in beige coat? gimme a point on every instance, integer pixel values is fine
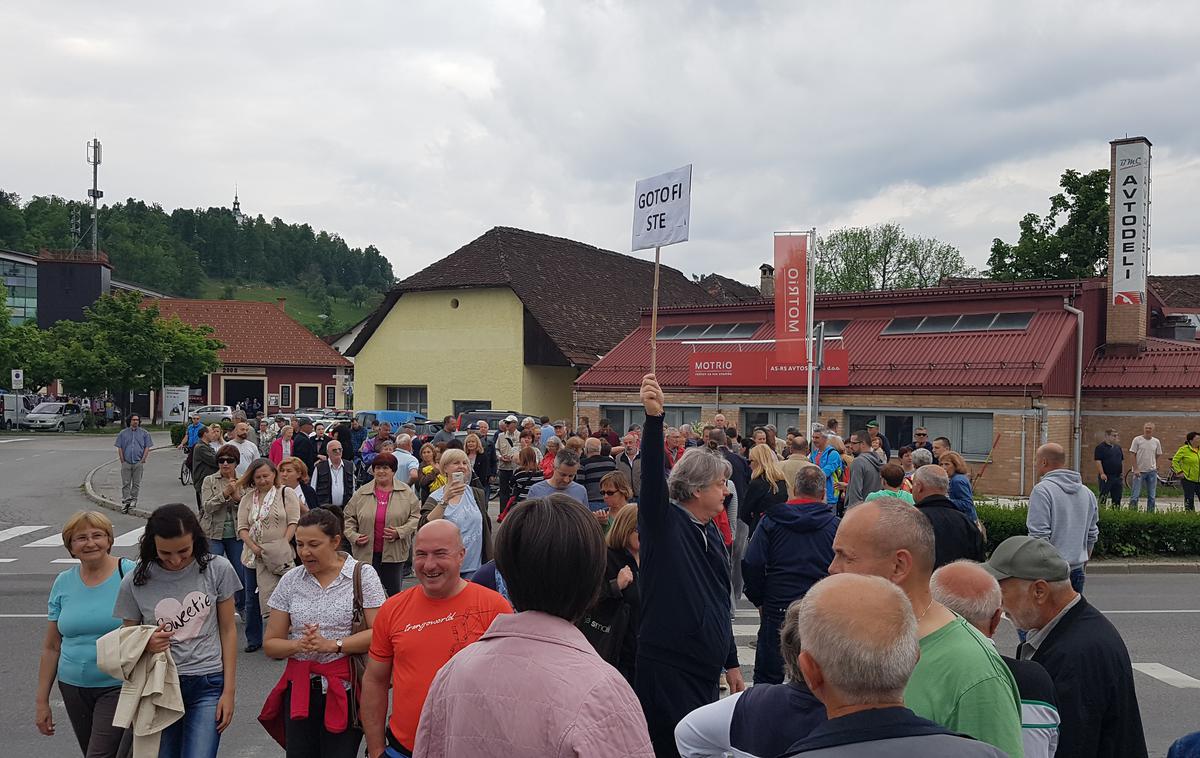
(266, 524)
(381, 519)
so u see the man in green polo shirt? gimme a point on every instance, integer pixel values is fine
(960, 680)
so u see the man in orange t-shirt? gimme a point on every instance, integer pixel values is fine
(418, 630)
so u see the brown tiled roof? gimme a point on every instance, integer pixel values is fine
(254, 333)
(1177, 291)
(585, 298)
(728, 290)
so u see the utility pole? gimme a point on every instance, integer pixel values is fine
(93, 158)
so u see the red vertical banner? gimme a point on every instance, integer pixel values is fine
(791, 298)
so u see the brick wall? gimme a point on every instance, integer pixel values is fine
(1173, 418)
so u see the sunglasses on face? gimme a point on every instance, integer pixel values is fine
(230, 461)
(922, 434)
(606, 493)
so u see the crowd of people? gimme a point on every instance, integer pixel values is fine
(593, 614)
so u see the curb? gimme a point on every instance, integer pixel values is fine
(1144, 567)
(89, 490)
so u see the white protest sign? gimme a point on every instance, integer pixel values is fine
(662, 206)
(175, 404)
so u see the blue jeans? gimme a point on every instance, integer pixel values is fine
(1077, 579)
(1150, 478)
(246, 600)
(195, 735)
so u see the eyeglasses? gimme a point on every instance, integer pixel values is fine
(606, 493)
(227, 460)
(922, 434)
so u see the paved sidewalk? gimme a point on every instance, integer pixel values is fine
(160, 481)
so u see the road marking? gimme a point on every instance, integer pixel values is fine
(7, 560)
(18, 439)
(17, 531)
(129, 539)
(1165, 610)
(745, 656)
(745, 630)
(65, 560)
(22, 615)
(1168, 675)
(54, 540)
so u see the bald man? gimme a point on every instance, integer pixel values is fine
(416, 631)
(966, 588)
(858, 649)
(1063, 511)
(960, 681)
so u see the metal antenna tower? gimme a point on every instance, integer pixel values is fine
(93, 158)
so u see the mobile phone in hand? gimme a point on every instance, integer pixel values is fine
(457, 477)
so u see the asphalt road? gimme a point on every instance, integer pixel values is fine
(40, 478)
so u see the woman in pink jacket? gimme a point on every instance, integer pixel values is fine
(533, 684)
(282, 446)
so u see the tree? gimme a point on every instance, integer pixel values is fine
(359, 295)
(121, 345)
(1078, 248)
(883, 257)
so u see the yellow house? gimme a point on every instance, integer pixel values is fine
(507, 322)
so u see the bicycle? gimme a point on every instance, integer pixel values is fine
(1171, 479)
(185, 470)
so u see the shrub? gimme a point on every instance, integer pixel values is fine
(1123, 534)
(178, 432)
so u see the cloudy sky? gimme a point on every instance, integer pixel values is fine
(417, 126)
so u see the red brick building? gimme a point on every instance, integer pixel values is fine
(267, 356)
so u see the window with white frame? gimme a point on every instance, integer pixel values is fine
(969, 433)
(623, 416)
(780, 418)
(330, 395)
(412, 399)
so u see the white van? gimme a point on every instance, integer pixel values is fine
(9, 402)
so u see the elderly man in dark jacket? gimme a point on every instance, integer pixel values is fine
(1080, 649)
(790, 552)
(955, 537)
(685, 637)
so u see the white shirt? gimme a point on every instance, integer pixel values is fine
(1145, 453)
(704, 733)
(336, 483)
(303, 598)
(249, 454)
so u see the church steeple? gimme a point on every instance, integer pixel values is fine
(237, 207)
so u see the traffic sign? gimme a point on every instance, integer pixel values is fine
(18, 379)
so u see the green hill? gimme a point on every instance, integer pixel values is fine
(302, 305)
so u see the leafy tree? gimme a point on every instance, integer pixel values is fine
(883, 257)
(121, 345)
(359, 294)
(227, 292)
(23, 346)
(1070, 242)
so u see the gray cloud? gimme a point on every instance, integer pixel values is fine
(417, 126)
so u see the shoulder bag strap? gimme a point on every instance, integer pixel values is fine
(359, 618)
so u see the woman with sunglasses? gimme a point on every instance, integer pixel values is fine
(220, 494)
(617, 492)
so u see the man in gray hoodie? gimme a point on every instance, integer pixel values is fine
(1063, 511)
(864, 470)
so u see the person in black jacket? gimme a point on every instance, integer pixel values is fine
(335, 469)
(686, 637)
(1080, 648)
(790, 552)
(612, 624)
(768, 486)
(955, 537)
(204, 459)
(303, 446)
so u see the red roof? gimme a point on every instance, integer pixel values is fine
(254, 333)
(1164, 365)
(911, 362)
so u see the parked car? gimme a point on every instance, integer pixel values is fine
(10, 402)
(395, 418)
(213, 414)
(58, 417)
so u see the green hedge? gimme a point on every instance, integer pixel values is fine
(1123, 534)
(179, 431)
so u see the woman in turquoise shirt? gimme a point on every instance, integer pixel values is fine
(80, 612)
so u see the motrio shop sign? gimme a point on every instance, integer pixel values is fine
(764, 369)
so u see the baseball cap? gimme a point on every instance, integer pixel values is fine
(559, 423)
(1030, 558)
(872, 424)
(510, 419)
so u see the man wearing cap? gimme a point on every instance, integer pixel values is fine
(873, 431)
(966, 588)
(506, 456)
(1063, 511)
(1077, 645)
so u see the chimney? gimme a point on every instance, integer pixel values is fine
(281, 301)
(766, 283)
(1128, 244)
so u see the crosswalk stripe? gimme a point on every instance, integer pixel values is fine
(1168, 675)
(17, 439)
(129, 538)
(54, 540)
(17, 531)
(7, 560)
(745, 630)
(745, 656)
(65, 560)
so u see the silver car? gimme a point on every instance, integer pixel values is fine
(58, 417)
(213, 414)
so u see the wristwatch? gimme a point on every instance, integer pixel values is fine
(339, 644)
